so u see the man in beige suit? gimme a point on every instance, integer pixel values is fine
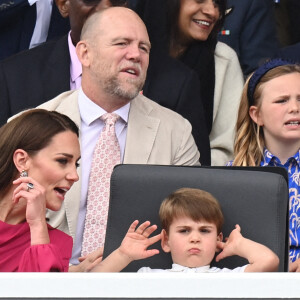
(114, 53)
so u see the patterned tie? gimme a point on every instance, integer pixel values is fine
(106, 156)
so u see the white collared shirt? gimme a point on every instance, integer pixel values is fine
(203, 269)
(91, 127)
(43, 18)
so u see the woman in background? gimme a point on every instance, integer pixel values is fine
(187, 30)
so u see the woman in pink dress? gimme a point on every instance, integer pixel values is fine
(39, 155)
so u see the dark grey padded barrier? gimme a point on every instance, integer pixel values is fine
(255, 198)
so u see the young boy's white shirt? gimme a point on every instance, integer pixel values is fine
(203, 269)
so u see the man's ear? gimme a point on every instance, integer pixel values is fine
(219, 239)
(255, 115)
(165, 241)
(21, 160)
(83, 53)
(63, 7)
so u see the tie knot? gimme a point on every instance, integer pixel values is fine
(110, 119)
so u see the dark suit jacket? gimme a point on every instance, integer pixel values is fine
(17, 21)
(290, 53)
(252, 31)
(174, 85)
(34, 76)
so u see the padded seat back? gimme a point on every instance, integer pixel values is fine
(254, 198)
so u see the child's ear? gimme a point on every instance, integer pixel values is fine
(219, 239)
(255, 116)
(165, 241)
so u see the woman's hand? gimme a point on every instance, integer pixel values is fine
(34, 194)
(88, 262)
(295, 266)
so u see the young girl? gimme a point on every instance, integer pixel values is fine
(268, 132)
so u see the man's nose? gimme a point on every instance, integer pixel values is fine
(133, 52)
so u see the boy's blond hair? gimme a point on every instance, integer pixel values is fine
(193, 203)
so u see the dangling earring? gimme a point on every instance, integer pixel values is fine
(23, 174)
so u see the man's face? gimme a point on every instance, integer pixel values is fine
(120, 55)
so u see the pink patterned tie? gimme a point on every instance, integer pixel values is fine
(106, 156)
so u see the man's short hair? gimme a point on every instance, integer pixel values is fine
(193, 203)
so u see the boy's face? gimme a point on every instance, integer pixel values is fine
(192, 244)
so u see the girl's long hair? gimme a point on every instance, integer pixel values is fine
(249, 142)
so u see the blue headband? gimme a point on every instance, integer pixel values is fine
(260, 72)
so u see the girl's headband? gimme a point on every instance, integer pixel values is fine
(260, 72)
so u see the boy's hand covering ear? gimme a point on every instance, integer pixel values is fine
(230, 245)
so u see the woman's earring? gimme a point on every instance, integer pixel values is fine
(23, 174)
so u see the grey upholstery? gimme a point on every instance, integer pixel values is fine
(254, 198)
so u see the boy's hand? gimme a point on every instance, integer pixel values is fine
(260, 258)
(134, 246)
(231, 245)
(136, 241)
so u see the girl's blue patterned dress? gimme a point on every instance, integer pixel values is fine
(292, 166)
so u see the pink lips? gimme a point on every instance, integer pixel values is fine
(194, 251)
(61, 192)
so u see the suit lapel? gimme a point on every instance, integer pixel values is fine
(69, 106)
(142, 131)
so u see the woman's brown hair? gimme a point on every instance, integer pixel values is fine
(31, 131)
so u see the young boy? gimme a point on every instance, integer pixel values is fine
(192, 222)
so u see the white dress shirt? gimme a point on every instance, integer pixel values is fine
(182, 269)
(43, 17)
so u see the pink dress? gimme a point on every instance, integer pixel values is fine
(17, 255)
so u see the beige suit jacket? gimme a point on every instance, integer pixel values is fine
(229, 84)
(155, 135)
